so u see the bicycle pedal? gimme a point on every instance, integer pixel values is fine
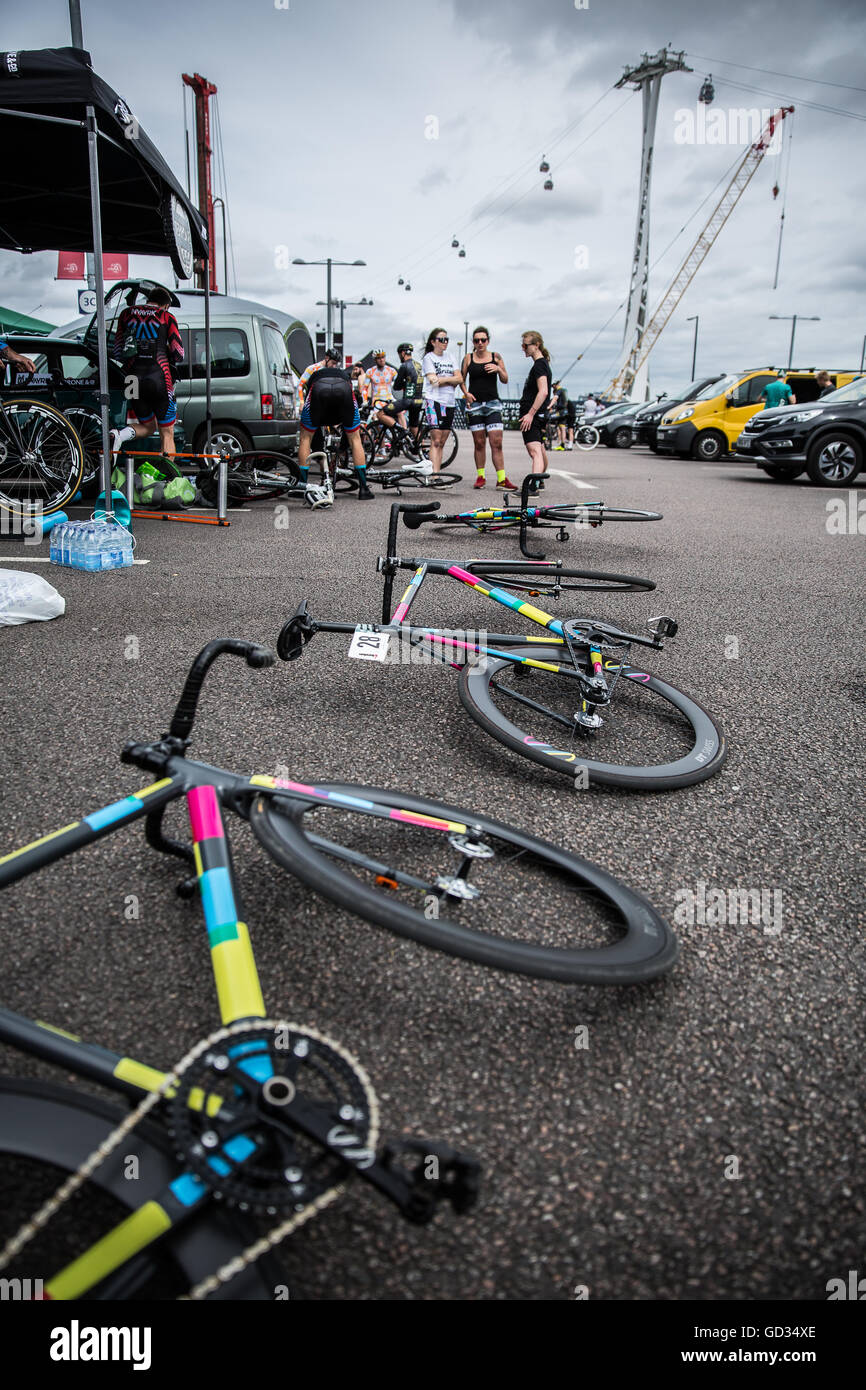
(663, 626)
(187, 888)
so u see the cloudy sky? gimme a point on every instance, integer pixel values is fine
(379, 131)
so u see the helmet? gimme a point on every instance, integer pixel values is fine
(379, 352)
(334, 353)
(405, 347)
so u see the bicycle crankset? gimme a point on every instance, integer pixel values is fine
(283, 1115)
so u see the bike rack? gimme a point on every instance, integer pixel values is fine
(148, 514)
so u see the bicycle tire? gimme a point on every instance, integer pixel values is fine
(424, 446)
(87, 424)
(590, 438)
(574, 512)
(647, 949)
(46, 1124)
(61, 469)
(702, 760)
(242, 484)
(510, 574)
(404, 479)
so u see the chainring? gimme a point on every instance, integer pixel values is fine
(264, 1121)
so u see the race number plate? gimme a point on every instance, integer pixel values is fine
(369, 646)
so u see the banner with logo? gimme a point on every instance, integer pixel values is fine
(71, 265)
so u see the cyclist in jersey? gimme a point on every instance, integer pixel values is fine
(381, 379)
(147, 340)
(330, 400)
(482, 371)
(408, 387)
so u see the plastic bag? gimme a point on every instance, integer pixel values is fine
(27, 598)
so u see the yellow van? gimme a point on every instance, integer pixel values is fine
(707, 427)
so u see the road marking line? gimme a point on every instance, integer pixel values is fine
(572, 478)
(45, 560)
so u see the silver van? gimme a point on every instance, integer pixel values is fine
(257, 354)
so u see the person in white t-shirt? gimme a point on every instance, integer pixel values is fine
(441, 376)
(590, 407)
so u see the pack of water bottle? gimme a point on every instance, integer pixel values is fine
(91, 545)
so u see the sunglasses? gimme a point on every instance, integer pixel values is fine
(481, 340)
(440, 339)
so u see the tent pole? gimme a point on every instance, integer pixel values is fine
(101, 343)
(98, 283)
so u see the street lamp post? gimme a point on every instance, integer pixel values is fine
(863, 354)
(695, 319)
(808, 318)
(343, 305)
(329, 261)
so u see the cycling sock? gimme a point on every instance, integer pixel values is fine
(304, 471)
(500, 475)
(361, 470)
(480, 471)
(124, 435)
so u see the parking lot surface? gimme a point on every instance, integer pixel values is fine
(703, 1138)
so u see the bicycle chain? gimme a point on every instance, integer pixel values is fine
(253, 1252)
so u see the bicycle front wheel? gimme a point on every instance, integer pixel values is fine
(449, 448)
(652, 737)
(466, 885)
(592, 514)
(41, 458)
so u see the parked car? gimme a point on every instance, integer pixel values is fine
(67, 376)
(256, 353)
(646, 422)
(708, 426)
(614, 424)
(826, 438)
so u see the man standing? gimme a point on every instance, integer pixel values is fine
(147, 340)
(777, 393)
(330, 400)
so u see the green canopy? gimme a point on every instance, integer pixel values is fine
(13, 322)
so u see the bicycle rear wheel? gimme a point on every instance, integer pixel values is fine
(41, 457)
(46, 1132)
(586, 437)
(255, 476)
(653, 736)
(465, 884)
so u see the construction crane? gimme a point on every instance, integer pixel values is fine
(624, 379)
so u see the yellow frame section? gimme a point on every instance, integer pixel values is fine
(139, 1229)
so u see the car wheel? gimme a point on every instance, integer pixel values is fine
(782, 472)
(622, 438)
(230, 440)
(834, 459)
(709, 445)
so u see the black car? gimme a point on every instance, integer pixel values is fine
(826, 438)
(645, 423)
(614, 425)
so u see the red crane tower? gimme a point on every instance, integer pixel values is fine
(204, 90)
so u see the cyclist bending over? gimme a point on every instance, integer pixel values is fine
(147, 340)
(330, 400)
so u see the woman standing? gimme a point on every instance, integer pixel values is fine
(482, 371)
(440, 378)
(535, 398)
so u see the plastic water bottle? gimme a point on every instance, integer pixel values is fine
(127, 547)
(55, 544)
(90, 548)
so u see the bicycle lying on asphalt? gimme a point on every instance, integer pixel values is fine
(260, 475)
(262, 1122)
(385, 443)
(575, 689)
(525, 518)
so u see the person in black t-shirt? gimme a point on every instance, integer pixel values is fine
(535, 399)
(482, 371)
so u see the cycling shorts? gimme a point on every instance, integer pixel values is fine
(571, 412)
(330, 402)
(153, 397)
(399, 404)
(484, 415)
(439, 417)
(535, 433)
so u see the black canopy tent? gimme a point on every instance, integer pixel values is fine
(78, 172)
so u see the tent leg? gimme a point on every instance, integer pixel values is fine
(102, 346)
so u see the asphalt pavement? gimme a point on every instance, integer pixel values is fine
(703, 1138)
